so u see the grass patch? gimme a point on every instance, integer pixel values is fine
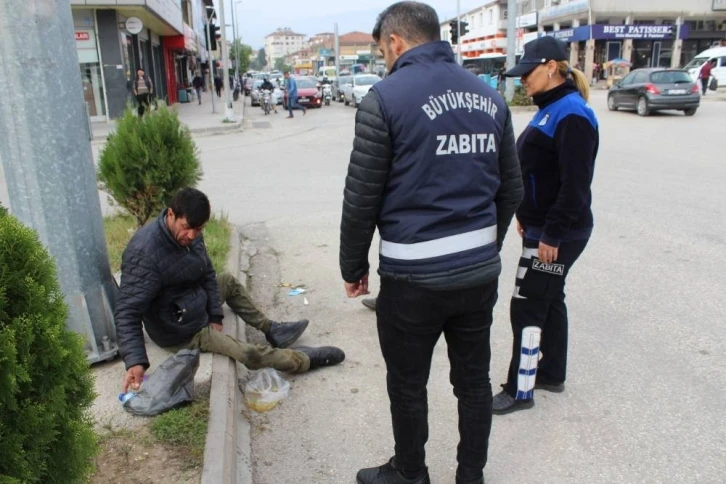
(120, 228)
(184, 428)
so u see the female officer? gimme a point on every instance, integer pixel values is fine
(557, 152)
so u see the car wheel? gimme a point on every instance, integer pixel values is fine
(611, 104)
(643, 107)
(689, 112)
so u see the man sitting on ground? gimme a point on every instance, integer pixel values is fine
(167, 279)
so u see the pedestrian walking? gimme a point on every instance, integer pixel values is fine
(557, 152)
(218, 85)
(143, 91)
(434, 168)
(198, 84)
(704, 75)
(291, 88)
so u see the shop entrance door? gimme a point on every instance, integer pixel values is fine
(613, 50)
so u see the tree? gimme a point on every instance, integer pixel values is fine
(46, 385)
(147, 160)
(281, 66)
(261, 59)
(245, 52)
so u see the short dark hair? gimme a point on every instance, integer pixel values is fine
(415, 22)
(193, 205)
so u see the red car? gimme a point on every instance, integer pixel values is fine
(308, 94)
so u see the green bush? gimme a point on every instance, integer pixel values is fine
(147, 160)
(46, 386)
(520, 97)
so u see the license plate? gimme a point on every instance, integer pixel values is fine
(304, 99)
(677, 91)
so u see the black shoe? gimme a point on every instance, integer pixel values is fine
(548, 386)
(370, 303)
(504, 403)
(322, 356)
(282, 335)
(387, 474)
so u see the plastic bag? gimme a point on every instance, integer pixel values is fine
(713, 85)
(265, 390)
(168, 387)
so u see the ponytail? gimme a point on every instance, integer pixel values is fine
(578, 77)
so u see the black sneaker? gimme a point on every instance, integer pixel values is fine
(504, 403)
(387, 474)
(370, 303)
(549, 386)
(322, 356)
(282, 335)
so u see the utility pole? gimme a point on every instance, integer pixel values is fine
(234, 41)
(458, 31)
(511, 46)
(337, 55)
(228, 108)
(46, 154)
(209, 59)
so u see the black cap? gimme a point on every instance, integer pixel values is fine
(536, 52)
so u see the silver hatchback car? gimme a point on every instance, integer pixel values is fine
(649, 90)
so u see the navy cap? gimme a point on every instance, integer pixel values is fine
(536, 52)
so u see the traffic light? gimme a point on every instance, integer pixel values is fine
(463, 28)
(454, 32)
(212, 36)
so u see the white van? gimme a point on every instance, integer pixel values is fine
(716, 55)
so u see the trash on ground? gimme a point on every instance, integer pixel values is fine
(296, 292)
(266, 390)
(305, 301)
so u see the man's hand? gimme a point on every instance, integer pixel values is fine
(133, 378)
(216, 326)
(355, 289)
(547, 253)
(520, 229)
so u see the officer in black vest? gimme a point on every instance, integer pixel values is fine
(434, 167)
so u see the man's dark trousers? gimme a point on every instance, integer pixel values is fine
(410, 322)
(704, 85)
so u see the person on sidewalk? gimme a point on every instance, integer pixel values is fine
(291, 88)
(167, 280)
(218, 85)
(442, 199)
(704, 75)
(557, 151)
(198, 85)
(143, 91)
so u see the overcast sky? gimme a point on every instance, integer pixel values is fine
(255, 19)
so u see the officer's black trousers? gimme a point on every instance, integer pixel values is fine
(539, 306)
(410, 322)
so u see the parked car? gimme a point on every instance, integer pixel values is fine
(357, 87)
(308, 94)
(717, 56)
(338, 85)
(649, 90)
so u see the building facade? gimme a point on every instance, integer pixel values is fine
(322, 49)
(281, 43)
(359, 48)
(114, 38)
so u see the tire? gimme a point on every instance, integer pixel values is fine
(345, 101)
(690, 111)
(611, 104)
(643, 107)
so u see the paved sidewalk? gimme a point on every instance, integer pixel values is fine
(199, 118)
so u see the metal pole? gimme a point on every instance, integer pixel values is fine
(209, 61)
(337, 55)
(234, 41)
(48, 165)
(458, 31)
(511, 47)
(228, 109)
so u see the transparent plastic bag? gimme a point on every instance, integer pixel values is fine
(265, 390)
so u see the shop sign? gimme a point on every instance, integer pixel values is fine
(325, 52)
(190, 39)
(576, 34)
(570, 8)
(86, 46)
(645, 32)
(527, 20)
(718, 5)
(134, 25)
(83, 36)
(348, 57)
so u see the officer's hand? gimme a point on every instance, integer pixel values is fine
(547, 253)
(133, 378)
(355, 289)
(216, 326)
(520, 230)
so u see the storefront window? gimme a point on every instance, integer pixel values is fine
(90, 71)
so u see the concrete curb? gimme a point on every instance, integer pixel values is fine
(523, 109)
(227, 452)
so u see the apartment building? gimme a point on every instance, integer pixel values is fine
(283, 42)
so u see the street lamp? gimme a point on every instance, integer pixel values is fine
(208, 19)
(228, 108)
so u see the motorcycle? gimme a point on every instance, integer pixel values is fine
(266, 101)
(327, 94)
